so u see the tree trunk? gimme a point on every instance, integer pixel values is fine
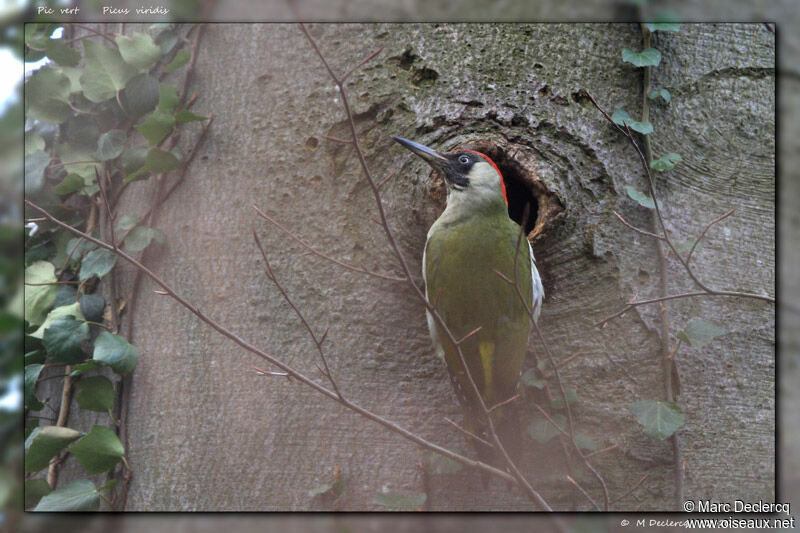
(207, 432)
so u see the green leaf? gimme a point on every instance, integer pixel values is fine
(663, 26)
(71, 183)
(31, 375)
(543, 430)
(157, 126)
(80, 495)
(110, 145)
(167, 96)
(72, 156)
(47, 96)
(97, 263)
(63, 340)
(95, 394)
(160, 161)
(570, 393)
(622, 117)
(61, 53)
(685, 246)
(140, 238)
(115, 352)
(180, 59)
(134, 161)
(699, 332)
(126, 222)
(35, 490)
(44, 443)
(138, 50)
(641, 198)
(663, 93)
(79, 370)
(187, 116)
(665, 162)
(322, 489)
(659, 419)
(646, 58)
(33, 142)
(584, 442)
(92, 306)
(99, 451)
(401, 502)
(529, 379)
(39, 298)
(35, 165)
(140, 95)
(166, 40)
(73, 310)
(105, 72)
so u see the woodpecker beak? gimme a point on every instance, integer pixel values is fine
(431, 156)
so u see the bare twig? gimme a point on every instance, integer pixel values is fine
(583, 491)
(705, 230)
(274, 360)
(637, 230)
(469, 433)
(317, 342)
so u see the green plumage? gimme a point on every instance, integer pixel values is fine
(461, 257)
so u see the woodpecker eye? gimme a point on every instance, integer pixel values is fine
(463, 159)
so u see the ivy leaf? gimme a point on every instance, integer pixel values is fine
(110, 145)
(31, 375)
(47, 96)
(138, 50)
(127, 222)
(584, 442)
(401, 502)
(105, 72)
(663, 26)
(167, 96)
(80, 495)
(44, 443)
(646, 58)
(71, 183)
(115, 352)
(160, 161)
(570, 393)
(97, 263)
(665, 162)
(72, 155)
(622, 117)
(140, 95)
(699, 332)
(663, 93)
(685, 246)
(33, 142)
(543, 430)
(180, 59)
(641, 198)
(35, 490)
(92, 306)
(167, 40)
(61, 53)
(134, 163)
(529, 379)
(659, 419)
(157, 126)
(79, 370)
(182, 117)
(35, 165)
(96, 394)
(99, 451)
(140, 238)
(63, 340)
(64, 311)
(39, 298)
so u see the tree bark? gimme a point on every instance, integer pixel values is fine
(208, 433)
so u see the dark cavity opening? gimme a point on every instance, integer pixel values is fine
(519, 186)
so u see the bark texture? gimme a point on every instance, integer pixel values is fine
(208, 433)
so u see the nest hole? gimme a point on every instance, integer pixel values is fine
(524, 188)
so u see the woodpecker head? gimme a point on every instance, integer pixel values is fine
(471, 177)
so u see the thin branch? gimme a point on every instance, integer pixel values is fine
(705, 230)
(317, 343)
(469, 433)
(316, 252)
(637, 230)
(583, 491)
(413, 437)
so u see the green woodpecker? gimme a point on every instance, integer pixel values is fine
(469, 244)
